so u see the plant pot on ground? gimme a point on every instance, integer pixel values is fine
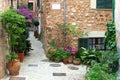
(65, 57)
(76, 61)
(19, 49)
(70, 59)
(13, 64)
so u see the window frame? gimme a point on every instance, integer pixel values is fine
(105, 5)
(93, 5)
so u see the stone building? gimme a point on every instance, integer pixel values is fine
(90, 15)
(4, 5)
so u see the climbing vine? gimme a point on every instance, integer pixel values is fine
(110, 36)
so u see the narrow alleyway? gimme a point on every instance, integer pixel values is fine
(37, 67)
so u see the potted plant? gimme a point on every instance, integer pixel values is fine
(15, 25)
(36, 22)
(56, 55)
(65, 57)
(76, 61)
(72, 52)
(13, 64)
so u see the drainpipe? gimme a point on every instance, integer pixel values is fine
(64, 12)
(64, 30)
(113, 8)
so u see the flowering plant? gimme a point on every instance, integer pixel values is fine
(28, 14)
(70, 50)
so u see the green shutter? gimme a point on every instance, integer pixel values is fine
(104, 4)
(83, 42)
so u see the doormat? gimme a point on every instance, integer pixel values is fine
(55, 65)
(17, 78)
(33, 65)
(59, 74)
(73, 68)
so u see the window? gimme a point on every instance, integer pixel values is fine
(101, 4)
(92, 43)
(38, 3)
(30, 5)
(104, 4)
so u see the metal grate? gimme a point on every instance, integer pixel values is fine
(59, 74)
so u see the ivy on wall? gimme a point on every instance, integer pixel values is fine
(110, 36)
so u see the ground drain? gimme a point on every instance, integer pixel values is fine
(33, 65)
(17, 78)
(55, 65)
(59, 74)
(45, 60)
(73, 68)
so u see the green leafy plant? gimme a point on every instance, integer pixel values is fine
(12, 22)
(64, 55)
(11, 56)
(96, 73)
(110, 60)
(77, 59)
(57, 55)
(66, 33)
(87, 56)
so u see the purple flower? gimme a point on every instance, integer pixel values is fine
(70, 50)
(28, 14)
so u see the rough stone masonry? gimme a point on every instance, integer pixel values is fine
(78, 12)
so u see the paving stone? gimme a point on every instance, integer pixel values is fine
(45, 60)
(55, 65)
(59, 74)
(73, 68)
(33, 65)
(17, 78)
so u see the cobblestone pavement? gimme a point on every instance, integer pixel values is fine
(37, 67)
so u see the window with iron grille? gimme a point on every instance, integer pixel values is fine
(92, 43)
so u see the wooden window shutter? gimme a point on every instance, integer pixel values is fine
(104, 4)
(83, 42)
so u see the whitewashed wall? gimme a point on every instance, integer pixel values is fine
(117, 22)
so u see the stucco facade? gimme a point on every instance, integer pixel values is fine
(78, 12)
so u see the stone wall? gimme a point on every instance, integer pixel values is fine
(25, 2)
(5, 4)
(78, 12)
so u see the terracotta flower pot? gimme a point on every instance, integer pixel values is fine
(70, 59)
(20, 56)
(76, 62)
(65, 61)
(13, 67)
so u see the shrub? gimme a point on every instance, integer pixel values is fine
(96, 73)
